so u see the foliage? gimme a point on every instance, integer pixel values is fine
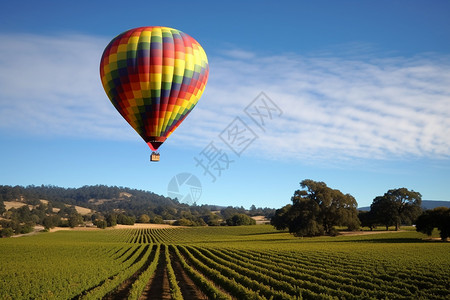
(2, 207)
(316, 210)
(138, 258)
(239, 220)
(116, 205)
(175, 291)
(190, 221)
(183, 222)
(140, 283)
(6, 232)
(144, 218)
(125, 220)
(397, 206)
(51, 221)
(75, 219)
(101, 224)
(367, 219)
(111, 220)
(437, 218)
(281, 218)
(157, 220)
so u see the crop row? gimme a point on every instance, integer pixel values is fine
(293, 274)
(45, 271)
(138, 258)
(261, 278)
(140, 283)
(393, 278)
(147, 235)
(123, 267)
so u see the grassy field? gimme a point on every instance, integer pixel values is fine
(254, 262)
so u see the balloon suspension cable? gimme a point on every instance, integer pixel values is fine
(154, 156)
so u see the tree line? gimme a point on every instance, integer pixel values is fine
(317, 209)
(111, 206)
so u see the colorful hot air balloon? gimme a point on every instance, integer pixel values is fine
(154, 76)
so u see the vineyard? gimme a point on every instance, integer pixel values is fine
(254, 262)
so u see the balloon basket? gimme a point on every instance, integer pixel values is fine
(154, 156)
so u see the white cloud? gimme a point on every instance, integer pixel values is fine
(336, 107)
(333, 107)
(51, 86)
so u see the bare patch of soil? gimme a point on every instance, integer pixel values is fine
(74, 229)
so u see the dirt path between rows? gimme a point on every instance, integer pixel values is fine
(188, 288)
(158, 286)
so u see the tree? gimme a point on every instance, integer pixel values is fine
(111, 220)
(304, 216)
(367, 219)
(2, 207)
(125, 220)
(157, 220)
(24, 228)
(51, 221)
(183, 222)
(6, 232)
(317, 210)
(75, 219)
(239, 220)
(22, 214)
(437, 218)
(144, 219)
(281, 218)
(211, 219)
(383, 211)
(230, 211)
(101, 224)
(397, 206)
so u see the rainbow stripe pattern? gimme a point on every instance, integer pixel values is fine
(154, 76)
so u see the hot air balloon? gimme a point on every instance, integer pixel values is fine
(154, 76)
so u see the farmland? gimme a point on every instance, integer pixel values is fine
(252, 262)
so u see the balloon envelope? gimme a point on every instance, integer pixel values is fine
(154, 76)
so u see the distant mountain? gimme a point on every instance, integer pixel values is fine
(430, 204)
(426, 204)
(103, 200)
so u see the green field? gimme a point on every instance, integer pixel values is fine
(254, 262)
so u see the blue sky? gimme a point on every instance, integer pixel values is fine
(358, 91)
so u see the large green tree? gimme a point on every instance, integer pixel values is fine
(396, 207)
(316, 210)
(367, 219)
(75, 219)
(239, 220)
(51, 221)
(281, 219)
(437, 218)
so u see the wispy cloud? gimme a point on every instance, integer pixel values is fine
(337, 107)
(333, 106)
(50, 85)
